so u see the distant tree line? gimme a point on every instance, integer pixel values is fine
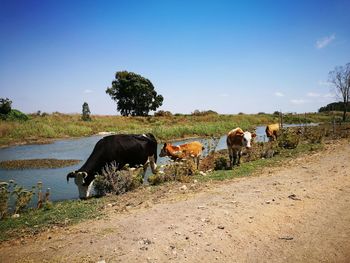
(334, 106)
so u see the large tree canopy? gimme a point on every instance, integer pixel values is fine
(134, 94)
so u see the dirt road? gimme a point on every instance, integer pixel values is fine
(296, 213)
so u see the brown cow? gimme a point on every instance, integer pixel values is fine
(272, 131)
(179, 152)
(236, 140)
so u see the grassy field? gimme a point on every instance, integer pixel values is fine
(42, 129)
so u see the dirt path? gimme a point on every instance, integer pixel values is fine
(296, 213)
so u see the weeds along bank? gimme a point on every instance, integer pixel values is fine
(70, 212)
(43, 128)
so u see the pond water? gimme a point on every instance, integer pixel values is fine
(79, 149)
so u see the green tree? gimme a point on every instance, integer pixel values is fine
(340, 78)
(134, 94)
(5, 106)
(86, 112)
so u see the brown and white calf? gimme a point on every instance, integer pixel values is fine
(272, 131)
(236, 140)
(178, 152)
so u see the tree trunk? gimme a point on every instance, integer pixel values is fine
(345, 109)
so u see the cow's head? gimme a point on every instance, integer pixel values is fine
(164, 151)
(84, 183)
(247, 139)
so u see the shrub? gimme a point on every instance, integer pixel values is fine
(86, 112)
(117, 181)
(204, 113)
(162, 113)
(4, 198)
(22, 197)
(17, 115)
(289, 139)
(221, 163)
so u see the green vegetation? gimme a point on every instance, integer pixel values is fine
(86, 112)
(134, 94)
(248, 168)
(70, 212)
(58, 214)
(54, 126)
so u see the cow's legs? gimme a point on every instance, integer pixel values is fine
(198, 157)
(230, 154)
(145, 166)
(153, 164)
(239, 154)
(234, 158)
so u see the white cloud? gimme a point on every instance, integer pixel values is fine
(279, 94)
(88, 91)
(324, 83)
(313, 94)
(298, 101)
(329, 95)
(323, 42)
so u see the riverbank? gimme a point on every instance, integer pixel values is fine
(281, 214)
(45, 129)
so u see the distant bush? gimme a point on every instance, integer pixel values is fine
(85, 116)
(261, 113)
(240, 113)
(277, 113)
(17, 115)
(162, 113)
(204, 113)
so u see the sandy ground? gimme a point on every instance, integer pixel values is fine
(299, 212)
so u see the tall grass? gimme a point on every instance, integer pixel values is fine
(164, 128)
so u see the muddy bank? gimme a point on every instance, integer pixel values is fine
(37, 163)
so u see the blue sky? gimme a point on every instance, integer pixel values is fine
(227, 56)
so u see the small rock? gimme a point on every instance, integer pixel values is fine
(201, 207)
(183, 188)
(294, 197)
(195, 181)
(221, 227)
(15, 216)
(202, 173)
(286, 238)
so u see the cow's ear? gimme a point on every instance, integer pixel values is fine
(253, 135)
(165, 144)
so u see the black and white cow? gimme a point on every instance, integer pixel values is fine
(132, 149)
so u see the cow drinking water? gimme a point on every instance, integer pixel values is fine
(123, 149)
(183, 151)
(272, 131)
(236, 141)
